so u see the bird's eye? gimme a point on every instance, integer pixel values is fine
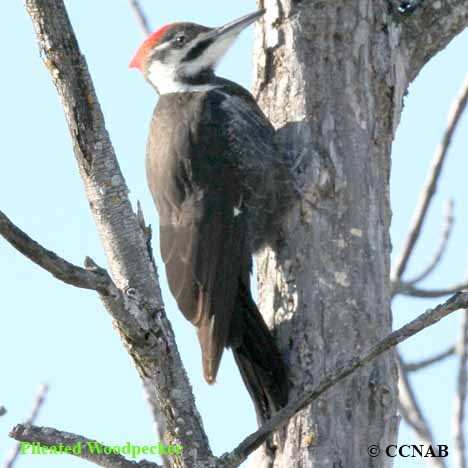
(180, 39)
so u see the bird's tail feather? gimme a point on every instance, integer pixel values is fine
(259, 360)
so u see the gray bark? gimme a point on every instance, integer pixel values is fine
(337, 375)
(136, 304)
(331, 76)
(431, 29)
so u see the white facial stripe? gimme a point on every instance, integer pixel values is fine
(162, 46)
(164, 77)
(211, 56)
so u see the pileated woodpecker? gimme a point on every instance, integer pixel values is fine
(215, 174)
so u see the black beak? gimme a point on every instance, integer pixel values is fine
(236, 26)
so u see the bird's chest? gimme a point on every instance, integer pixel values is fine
(187, 153)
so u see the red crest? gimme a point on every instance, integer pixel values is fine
(148, 44)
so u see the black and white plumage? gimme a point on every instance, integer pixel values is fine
(215, 173)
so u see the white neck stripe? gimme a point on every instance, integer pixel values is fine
(165, 80)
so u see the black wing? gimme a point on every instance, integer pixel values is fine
(203, 254)
(198, 192)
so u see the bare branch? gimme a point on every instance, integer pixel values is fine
(424, 363)
(141, 320)
(407, 290)
(430, 186)
(447, 227)
(97, 280)
(460, 395)
(48, 437)
(140, 16)
(146, 230)
(430, 28)
(428, 318)
(412, 414)
(38, 402)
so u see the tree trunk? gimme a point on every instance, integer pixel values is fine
(331, 76)
(327, 79)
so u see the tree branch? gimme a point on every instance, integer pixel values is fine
(415, 366)
(137, 304)
(430, 186)
(406, 289)
(146, 230)
(428, 318)
(251, 443)
(431, 27)
(38, 403)
(48, 437)
(447, 227)
(460, 395)
(413, 415)
(140, 16)
(97, 280)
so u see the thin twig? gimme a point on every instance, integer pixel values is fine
(38, 403)
(49, 437)
(413, 415)
(406, 289)
(424, 363)
(460, 396)
(97, 279)
(447, 228)
(430, 186)
(428, 318)
(140, 16)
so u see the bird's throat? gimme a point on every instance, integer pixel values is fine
(167, 79)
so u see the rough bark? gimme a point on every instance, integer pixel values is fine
(95, 279)
(434, 24)
(331, 76)
(136, 304)
(48, 437)
(338, 374)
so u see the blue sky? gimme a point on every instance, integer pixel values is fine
(54, 333)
